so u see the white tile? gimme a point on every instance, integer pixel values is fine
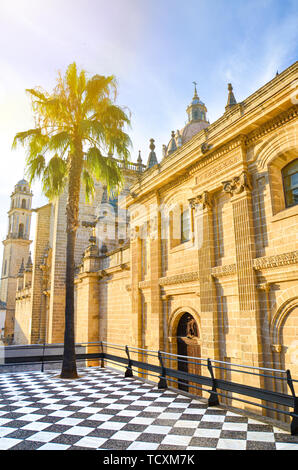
(90, 410)
(155, 409)
(92, 442)
(69, 421)
(53, 446)
(158, 429)
(286, 446)
(126, 435)
(36, 426)
(234, 426)
(79, 431)
(194, 411)
(139, 445)
(61, 413)
(213, 418)
(128, 413)
(169, 416)
(112, 425)
(3, 421)
(26, 409)
(260, 436)
(200, 448)
(31, 417)
(175, 440)
(183, 423)
(200, 432)
(140, 420)
(6, 430)
(6, 443)
(100, 417)
(233, 444)
(43, 436)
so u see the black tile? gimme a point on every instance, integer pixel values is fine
(27, 445)
(104, 433)
(150, 437)
(203, 442)
(258, 445)
(236, 419)
(169, 447)
(259, 427)
(279, 437)
(208, 425)
(183, 431)
(21, 434)
(115, 444)
(226, 434)
(134, 427)
(66, 439)
(121, 419)
(164, 422)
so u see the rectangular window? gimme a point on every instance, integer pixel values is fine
(185, 226)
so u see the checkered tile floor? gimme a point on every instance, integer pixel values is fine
(103, 410)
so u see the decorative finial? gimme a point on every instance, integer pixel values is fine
(29, 263)
(277, 73)
(139, 157)
(196, 94)
(152, 160)
(231, 98)
(21, 270)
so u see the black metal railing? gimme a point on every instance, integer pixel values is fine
(164, 367)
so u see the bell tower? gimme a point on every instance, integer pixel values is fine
(16, 250)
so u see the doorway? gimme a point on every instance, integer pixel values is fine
(188, 345)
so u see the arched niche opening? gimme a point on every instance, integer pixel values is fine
(188, 344)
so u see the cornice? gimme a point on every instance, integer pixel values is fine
(225, 270)
(283, 259)
(278, 121)
(179, 278)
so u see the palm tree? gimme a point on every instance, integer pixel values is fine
(75, 126)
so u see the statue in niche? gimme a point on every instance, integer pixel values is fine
(191, 327)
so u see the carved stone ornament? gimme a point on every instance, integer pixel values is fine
(276, 347)
(205, 199)
(205, 147)
(238, 184)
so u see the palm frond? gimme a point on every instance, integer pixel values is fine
(35, 167)
(88, 185)
(20, 137)
(54, 177)
(104, 169)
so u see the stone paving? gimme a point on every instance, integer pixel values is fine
(103, 410)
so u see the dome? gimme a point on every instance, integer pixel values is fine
(22, 183)
(197, 121)
(191, 129)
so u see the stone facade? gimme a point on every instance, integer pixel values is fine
(233, 269)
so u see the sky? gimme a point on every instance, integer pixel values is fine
(155, 48)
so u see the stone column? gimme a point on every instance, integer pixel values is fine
(249, 320)
(155, 317)
(136, 273)
(88, 301)
(205, 244)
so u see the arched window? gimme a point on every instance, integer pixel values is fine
(290, 183)
(23, 203)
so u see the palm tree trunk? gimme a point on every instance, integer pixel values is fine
(69, 370)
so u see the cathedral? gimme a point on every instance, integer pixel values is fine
(197, 256)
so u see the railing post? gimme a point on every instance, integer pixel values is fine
(294, 422)
(102, 362)
(128, 372)
(162, 379)
(213, 399)
(42, 357)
